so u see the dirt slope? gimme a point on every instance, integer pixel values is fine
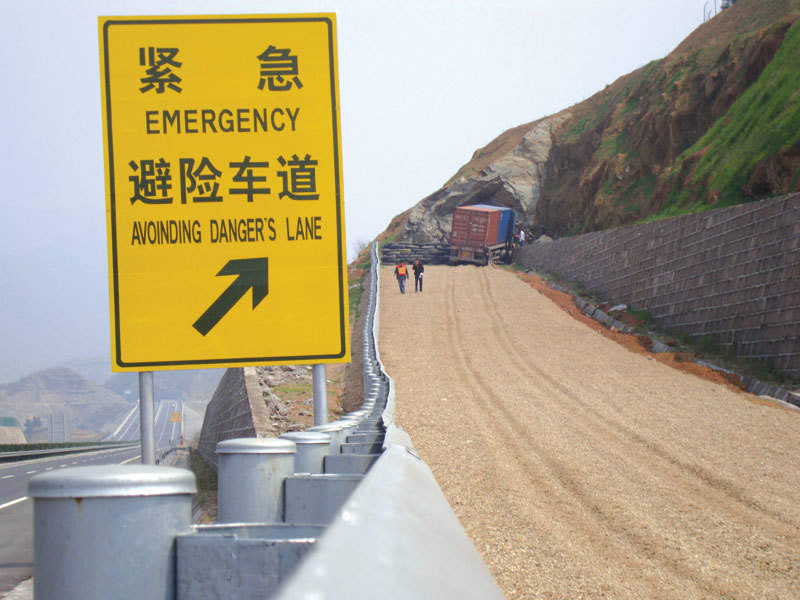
(580, 468)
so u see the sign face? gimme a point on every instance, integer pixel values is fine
(223, 191)
(175, 417)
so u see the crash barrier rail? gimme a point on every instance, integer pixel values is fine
(45, 452)
(166, 453)
(342, 510)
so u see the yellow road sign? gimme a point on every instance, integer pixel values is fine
(175, 417)
(223, 191)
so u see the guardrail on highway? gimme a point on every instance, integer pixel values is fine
(396, 536)
(44, 453)
(344, 510)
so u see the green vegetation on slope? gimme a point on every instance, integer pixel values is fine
(714, 123)
(762, 122)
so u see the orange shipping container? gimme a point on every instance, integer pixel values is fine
(475, 226)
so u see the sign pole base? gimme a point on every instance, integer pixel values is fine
(147, 425)
(320, 395)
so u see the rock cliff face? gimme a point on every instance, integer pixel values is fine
(669, 138)
(508, 172)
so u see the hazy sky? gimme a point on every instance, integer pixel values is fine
(422, 85)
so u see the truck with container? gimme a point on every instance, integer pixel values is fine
(481, 233)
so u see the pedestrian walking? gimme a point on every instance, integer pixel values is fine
(521, 237)
(401, 272)
(419, 269)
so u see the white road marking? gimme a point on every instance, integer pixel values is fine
(49, 469)
(13, 502)
(130, 459)
(29, 472)
(7, 476)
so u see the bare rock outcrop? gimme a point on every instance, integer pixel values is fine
(640, 148)
(11, 434)
(513, 176)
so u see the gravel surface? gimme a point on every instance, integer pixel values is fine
(581, 469)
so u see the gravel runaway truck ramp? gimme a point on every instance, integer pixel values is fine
(581, 469)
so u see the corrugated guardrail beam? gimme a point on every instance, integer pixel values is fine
(30, 454)
(373, 524)
(396, 536)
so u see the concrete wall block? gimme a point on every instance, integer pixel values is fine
(721, 272)
(316, 499)
(228, 415)
(359, 448)
(349, 464)
(361, 438)
(243, 562)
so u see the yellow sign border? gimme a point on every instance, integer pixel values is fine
(118, 362)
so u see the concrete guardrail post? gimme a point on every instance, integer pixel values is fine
(250, 479)
(312, 448)
(334, 430)
(108, 532)
(349, 425)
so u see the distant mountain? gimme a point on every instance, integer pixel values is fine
(715, 123)
(189, 385)
(63, 400)
(97, 370)
(69, 405)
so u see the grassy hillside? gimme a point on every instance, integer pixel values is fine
(760, 133)
(714, 123)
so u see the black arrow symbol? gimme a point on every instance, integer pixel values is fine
(252, 273)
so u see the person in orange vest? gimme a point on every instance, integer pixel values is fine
(401, 272)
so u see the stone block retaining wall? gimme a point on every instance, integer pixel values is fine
(429, 254)
(733, 273)
(236, 410)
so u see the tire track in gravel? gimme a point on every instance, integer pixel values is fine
(725, 494)
(568, 484)
(604, 525)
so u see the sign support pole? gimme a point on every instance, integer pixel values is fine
(147, 426)
(319, 377)
(182, 420)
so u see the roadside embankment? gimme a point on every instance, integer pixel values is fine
(580, 468)
(729, 273)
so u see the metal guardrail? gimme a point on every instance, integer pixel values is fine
(347, 511)
(396, 536)
(166, 453)
(44, 453)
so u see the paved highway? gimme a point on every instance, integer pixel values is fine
(167, 433)
(16, 509)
